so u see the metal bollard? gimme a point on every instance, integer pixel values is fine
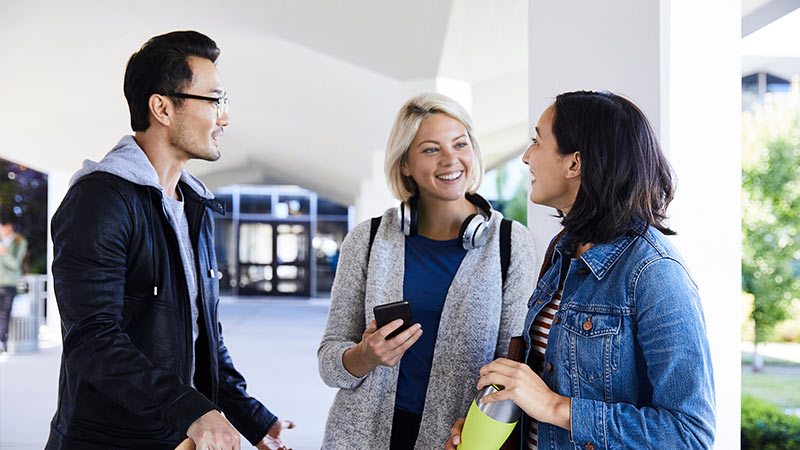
(27, 314)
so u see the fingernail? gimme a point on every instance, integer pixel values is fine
(456, 440)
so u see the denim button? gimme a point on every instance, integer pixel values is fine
(548, 367)
(582, 273)
(587, 326)
(556, 319)
(588, 446)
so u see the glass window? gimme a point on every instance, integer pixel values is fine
(296, 205)
(255, 243)
(289, 287)
(327, 207)
(254, 204)
(223, 243)
(291, 243)
(326, 246)
(285, 272)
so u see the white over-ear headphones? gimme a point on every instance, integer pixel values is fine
(474, 231)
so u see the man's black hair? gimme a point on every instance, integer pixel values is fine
(161, 66)
(625, 177)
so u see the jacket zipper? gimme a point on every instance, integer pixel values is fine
(211, 331)
(184, 305)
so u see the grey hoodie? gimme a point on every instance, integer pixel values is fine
(127, 160)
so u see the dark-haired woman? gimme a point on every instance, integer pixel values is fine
(617, 352)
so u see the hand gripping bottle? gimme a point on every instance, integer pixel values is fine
(488, 425)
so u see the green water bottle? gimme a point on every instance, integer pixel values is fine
(488, 425)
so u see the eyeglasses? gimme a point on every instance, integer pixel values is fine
(221, 102)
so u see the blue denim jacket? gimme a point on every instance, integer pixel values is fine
(628, 345)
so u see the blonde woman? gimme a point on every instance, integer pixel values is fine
(440, 251)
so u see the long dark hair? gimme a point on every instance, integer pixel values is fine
(625, 177)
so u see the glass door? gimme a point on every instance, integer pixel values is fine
(255, 258)
(292, 261)
(274, 258)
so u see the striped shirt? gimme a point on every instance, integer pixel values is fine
(540, 330)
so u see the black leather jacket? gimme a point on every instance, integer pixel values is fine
(126, 322)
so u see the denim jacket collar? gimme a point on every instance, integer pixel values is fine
(601, 257)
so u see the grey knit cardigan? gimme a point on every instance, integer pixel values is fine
(478, 319)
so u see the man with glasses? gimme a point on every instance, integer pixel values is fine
(144, 364)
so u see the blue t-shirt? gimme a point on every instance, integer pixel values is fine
(429, 270)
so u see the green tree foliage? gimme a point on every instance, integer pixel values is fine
(766, 427)
(771, 211)
(515, 208)
(23, 193)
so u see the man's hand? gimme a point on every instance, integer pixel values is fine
(213, 431)
(272, 441)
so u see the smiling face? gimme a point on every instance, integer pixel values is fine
(555, 178)
(197, 130)
(440, 159)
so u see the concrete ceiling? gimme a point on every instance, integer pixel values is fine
(314, 84)
(383, 36)
(757, 14)
(770, 32)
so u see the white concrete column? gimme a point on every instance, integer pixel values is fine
(662, 55)
(703, 130)
(585, 45)
(375, 195)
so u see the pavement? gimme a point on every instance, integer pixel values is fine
(779, 350)
(272, 342)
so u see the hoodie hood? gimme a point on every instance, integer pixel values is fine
(128, 161)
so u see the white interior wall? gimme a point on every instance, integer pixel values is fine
(661, 55)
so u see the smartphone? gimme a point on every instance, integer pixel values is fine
(391, 311)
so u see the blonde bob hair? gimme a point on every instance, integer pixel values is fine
(405, 130)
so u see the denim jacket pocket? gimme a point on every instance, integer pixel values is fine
(593, 343)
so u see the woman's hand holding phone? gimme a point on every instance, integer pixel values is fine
(375, 350)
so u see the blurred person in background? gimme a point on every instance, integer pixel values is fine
(13, 248)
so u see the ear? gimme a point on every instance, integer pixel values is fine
(161, 109)
(404, 169)
(574, 169)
